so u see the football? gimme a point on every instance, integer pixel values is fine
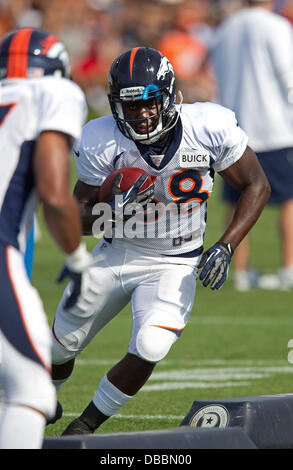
(129, 177)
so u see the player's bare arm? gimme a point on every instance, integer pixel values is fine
(87, 196)
(246, 175)
(51, 167)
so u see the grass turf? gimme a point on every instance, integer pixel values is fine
(235, 344)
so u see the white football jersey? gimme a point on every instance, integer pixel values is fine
(28, 107)
(206, 139)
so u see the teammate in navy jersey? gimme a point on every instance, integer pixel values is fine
(181, 147)
(41, 115)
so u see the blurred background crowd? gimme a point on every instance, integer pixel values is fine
(96, 31)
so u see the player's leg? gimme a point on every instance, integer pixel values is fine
(115, 389)
(73, 330)
(286, 224)
(29, 396)
(161, 307)
(71, 333)
(29, 399)
(279, 170)
(286, 230)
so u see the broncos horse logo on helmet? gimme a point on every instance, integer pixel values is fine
(139, 74)
(30, 52)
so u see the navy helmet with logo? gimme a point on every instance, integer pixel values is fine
(142, 73)
(30, 52)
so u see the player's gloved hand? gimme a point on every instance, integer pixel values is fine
(215, 265)
(76, 268)
(130, 197)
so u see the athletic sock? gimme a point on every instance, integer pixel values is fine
(106, 402)
(108, 398)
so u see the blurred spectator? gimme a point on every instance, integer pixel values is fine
(101, 42)
(285, 8)
(6, 19)
(184, 45)
(224, 8)
(144, 22)
(96, 31)
(32, 15)
(253, 62)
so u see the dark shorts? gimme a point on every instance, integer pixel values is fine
(278, 167)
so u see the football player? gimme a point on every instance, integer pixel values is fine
(181, 147)
(41, 115)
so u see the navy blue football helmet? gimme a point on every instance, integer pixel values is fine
(142, 73)
(30, 52)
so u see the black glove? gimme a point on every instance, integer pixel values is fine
(215, 265)
(131, 196)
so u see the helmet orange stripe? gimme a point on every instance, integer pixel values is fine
(132, 55)
(17, 54)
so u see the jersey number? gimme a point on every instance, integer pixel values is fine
(186, 186)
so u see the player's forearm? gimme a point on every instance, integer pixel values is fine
(64, 224)
(87, 196)
(248, 211)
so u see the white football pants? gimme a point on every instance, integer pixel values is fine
(25, 343)
(161, 291)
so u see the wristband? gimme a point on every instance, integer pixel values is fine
(78, 260)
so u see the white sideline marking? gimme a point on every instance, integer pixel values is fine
(96, 362)
(194, 385)
(225, 373)
(247, 321)
(228, 373)
(210, 378)
(150, 417)
(199, 362)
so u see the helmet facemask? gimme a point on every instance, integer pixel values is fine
(165, 111)
(142, 74)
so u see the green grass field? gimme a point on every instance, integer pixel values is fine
(235, 345)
